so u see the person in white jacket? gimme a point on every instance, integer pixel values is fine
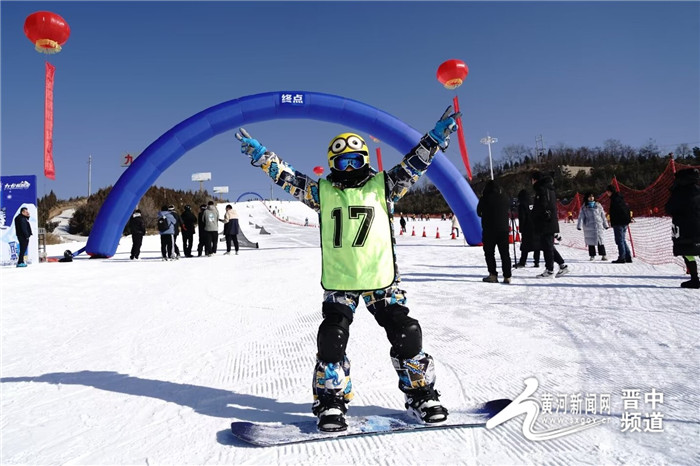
(592, 220)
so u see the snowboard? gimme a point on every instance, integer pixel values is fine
(269, 435)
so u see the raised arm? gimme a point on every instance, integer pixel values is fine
(282, 174)
(401, 177)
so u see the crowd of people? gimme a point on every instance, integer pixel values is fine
(539, 225)
(171, 224)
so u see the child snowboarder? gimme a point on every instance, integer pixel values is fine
(359, 262)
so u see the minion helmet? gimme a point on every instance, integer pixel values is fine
(347, 149)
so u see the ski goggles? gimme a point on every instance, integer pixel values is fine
(352, 159)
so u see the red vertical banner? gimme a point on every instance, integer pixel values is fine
(49, 170)
(462, 142)
(379, 159)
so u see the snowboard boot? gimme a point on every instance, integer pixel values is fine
(330, 410)
(332, 391)
(416, 381)
(424, 405)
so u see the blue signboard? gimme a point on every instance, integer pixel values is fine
(17, 192)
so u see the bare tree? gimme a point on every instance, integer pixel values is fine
(515, 153)
(683, 150)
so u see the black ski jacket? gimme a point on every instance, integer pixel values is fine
(137, 226)
(493, 209)
(22, 227)
(684, 208)
(544, 208)
(619, 211)
(189, 221)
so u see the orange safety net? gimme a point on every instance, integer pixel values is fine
(650, 230)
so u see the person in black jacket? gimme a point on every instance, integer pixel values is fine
(546, 223)
(23, 230)
(493, 209)
(529, 242)
(684, 208)
(231, 229)
(619, 219)
(189, 223)
(137, 227)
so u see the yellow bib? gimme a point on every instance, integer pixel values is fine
(356, 240)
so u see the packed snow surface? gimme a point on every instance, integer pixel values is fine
(148, 362)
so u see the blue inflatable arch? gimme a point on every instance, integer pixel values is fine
(251, 194)
(168, 148)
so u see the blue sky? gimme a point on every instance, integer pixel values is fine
(577, 73)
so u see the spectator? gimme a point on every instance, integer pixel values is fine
(619, 219)
(23, 230)
(189, 223)
(592, 220)
(402, 223)
(684, 208)
(167, 231)
(137, 227)
(493, 208)
(211, 228)
(202, 233)
(455, 226)
(178, 224)
(546, 223)
(231, 229)
(528, 240)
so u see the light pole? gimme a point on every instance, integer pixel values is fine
(488, 140)
(89, 175)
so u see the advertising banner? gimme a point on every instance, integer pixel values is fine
(201, 176)
(17, 192)
(49, 169)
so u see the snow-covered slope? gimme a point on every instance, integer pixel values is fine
(147, 362)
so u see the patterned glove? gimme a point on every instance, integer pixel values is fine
(446, 124)
(249, 146)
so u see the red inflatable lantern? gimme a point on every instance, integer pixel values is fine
(318, 170)
(452, 73)
(47, 31)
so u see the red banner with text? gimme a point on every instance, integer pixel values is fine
(49, 169)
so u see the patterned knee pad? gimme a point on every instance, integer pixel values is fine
(332, 380)
(416, 372)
